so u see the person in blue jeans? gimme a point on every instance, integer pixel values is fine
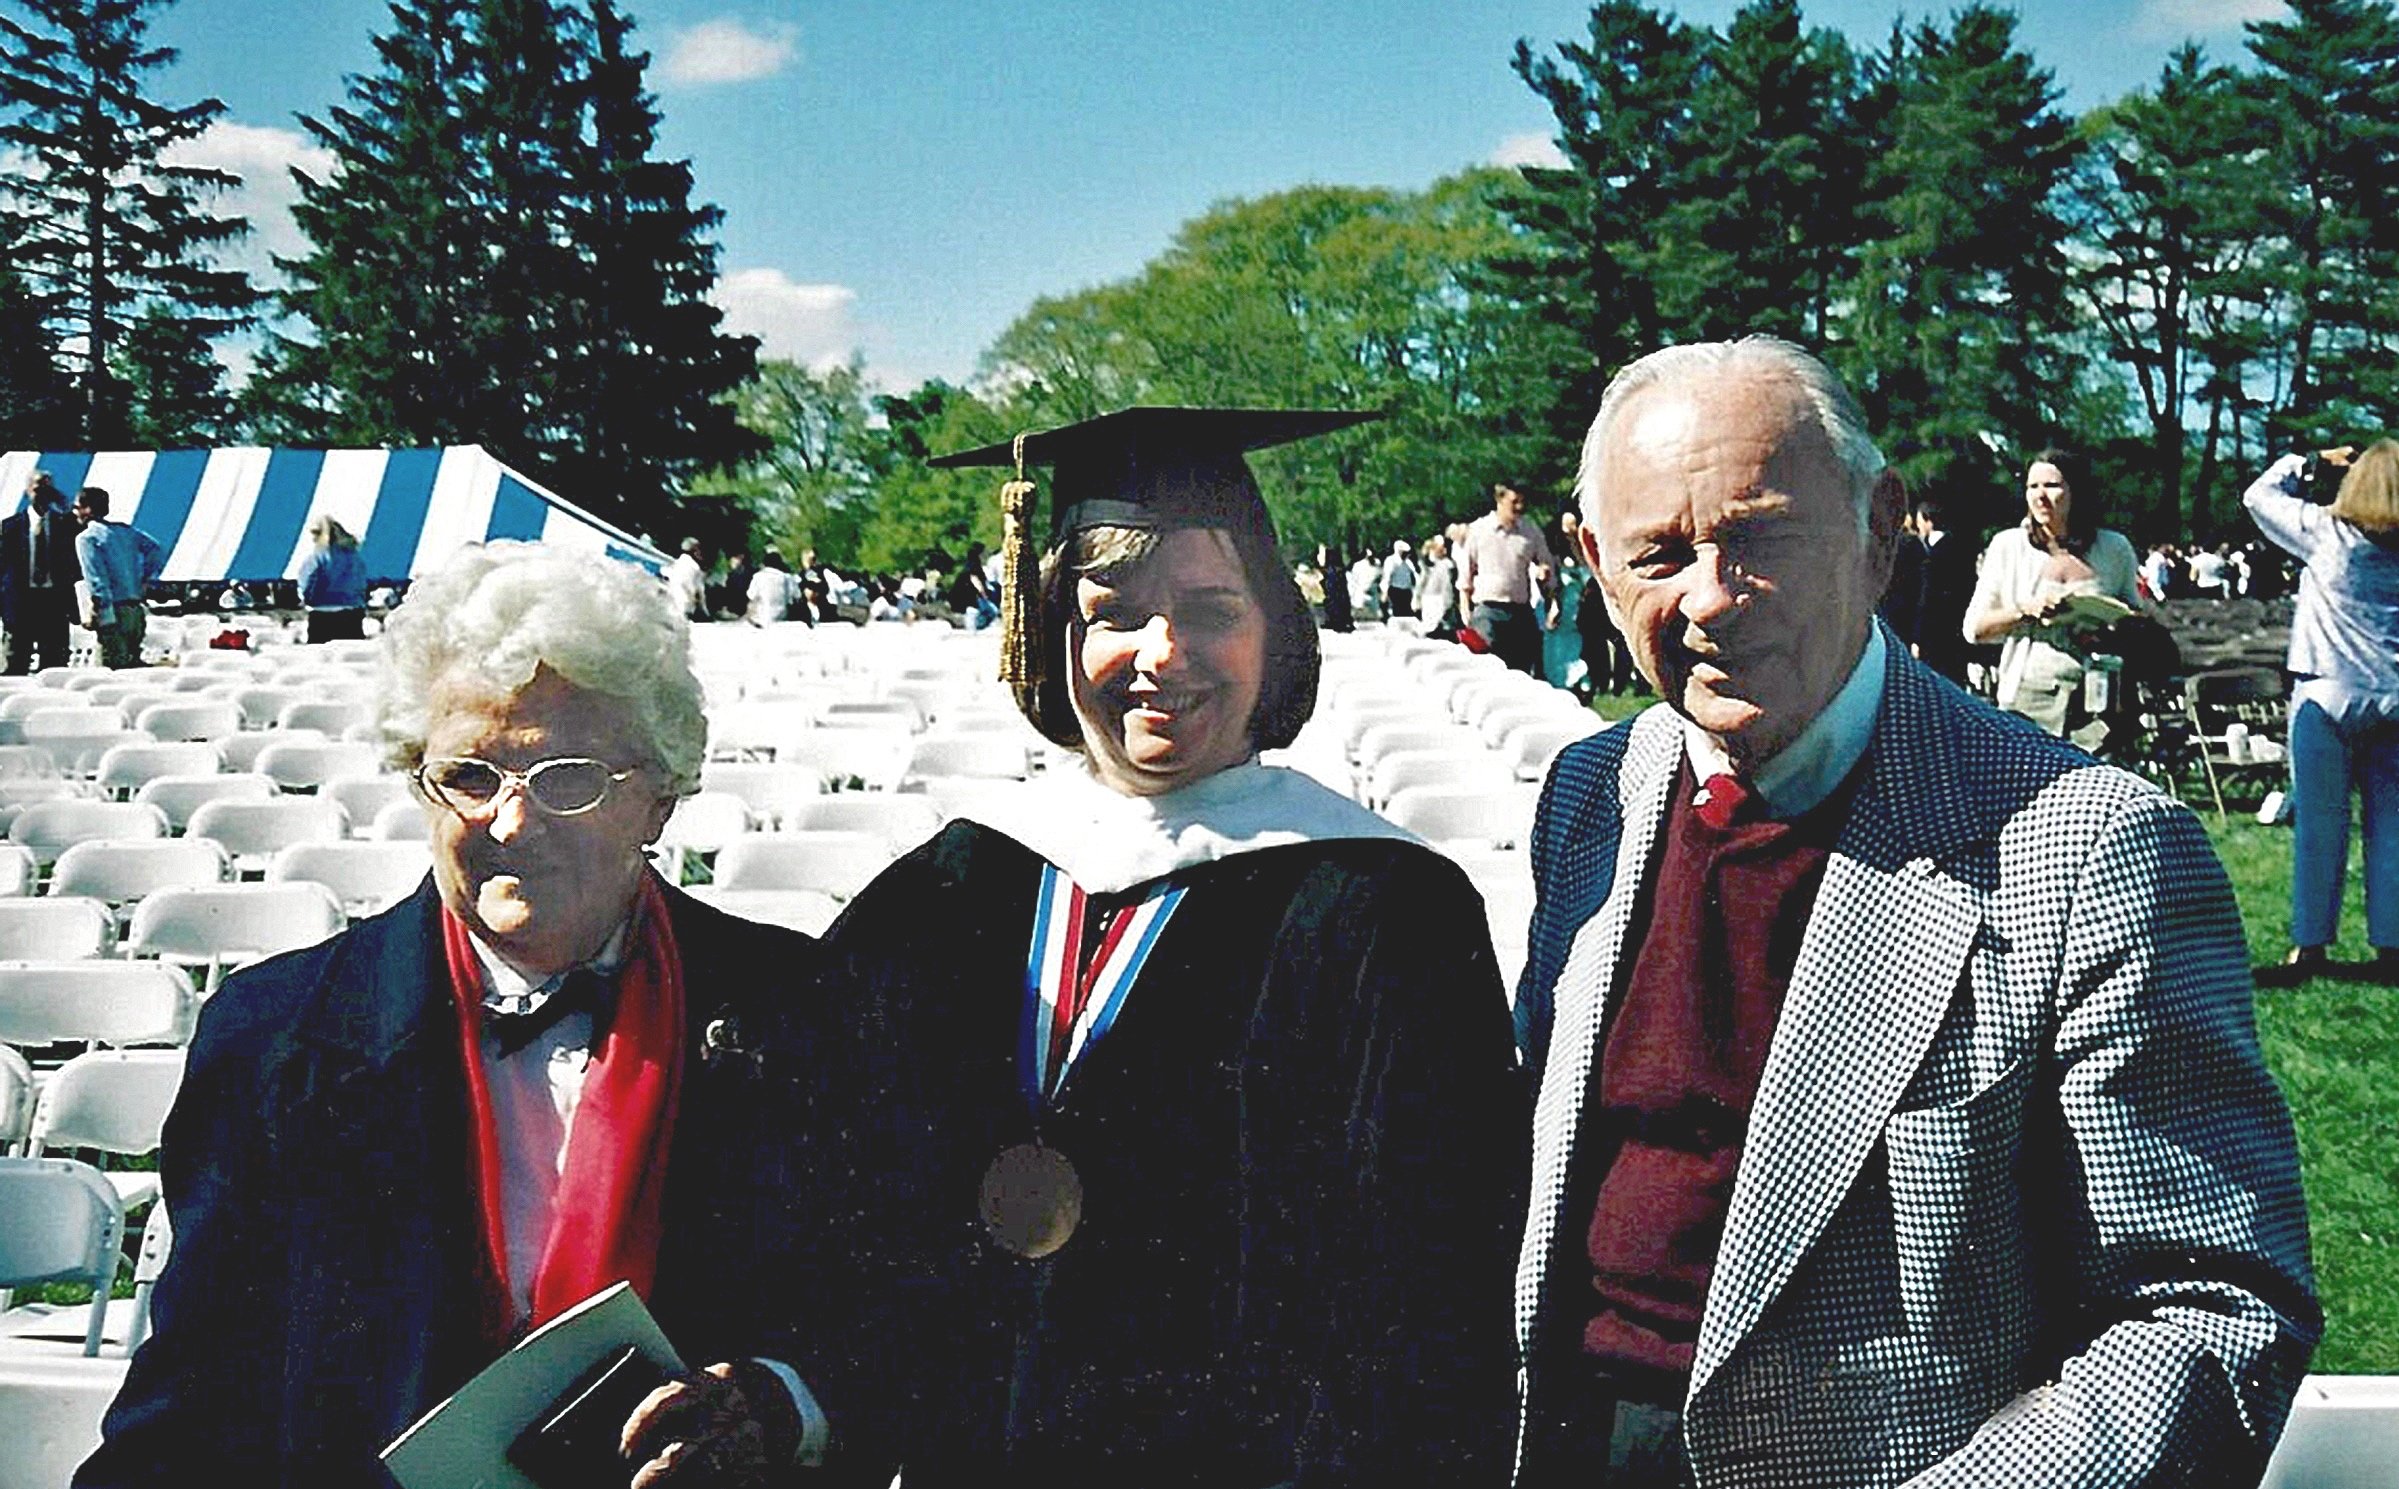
(2345, 698)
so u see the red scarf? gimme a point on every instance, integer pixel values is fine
(611, 1191)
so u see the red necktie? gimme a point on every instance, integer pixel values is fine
(1721, 799)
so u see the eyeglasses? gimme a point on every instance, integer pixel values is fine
(565, 787)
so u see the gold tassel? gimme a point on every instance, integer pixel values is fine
(1023, 658)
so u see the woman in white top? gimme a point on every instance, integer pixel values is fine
(2031, 574)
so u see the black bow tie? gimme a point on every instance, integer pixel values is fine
(581, 990)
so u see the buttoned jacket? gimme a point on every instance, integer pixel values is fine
(2019, 1203)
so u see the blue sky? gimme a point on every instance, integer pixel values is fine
(902, 177)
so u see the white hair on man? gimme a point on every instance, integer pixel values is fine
(498, 612)
(1843, 422)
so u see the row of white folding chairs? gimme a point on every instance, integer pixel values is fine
(210, 928)
(198, 706)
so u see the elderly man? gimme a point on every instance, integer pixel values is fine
(1505, 574)
(544, 1072)
(1946, 1158)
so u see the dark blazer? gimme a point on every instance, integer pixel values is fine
(16, 554)
(2019, 1202)
(322, 1293)
(1945, 584)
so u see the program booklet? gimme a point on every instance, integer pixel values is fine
(463, 1442)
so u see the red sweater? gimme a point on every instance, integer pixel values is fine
(1673, 1085)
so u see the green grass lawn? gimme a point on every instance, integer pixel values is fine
(2335, 1048)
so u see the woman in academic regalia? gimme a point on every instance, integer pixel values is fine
(1188, 1138)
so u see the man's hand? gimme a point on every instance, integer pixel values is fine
(730, 1425)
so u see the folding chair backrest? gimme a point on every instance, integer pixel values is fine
(199, 719)
(332, 715)
(180, 796)
(900, 821)
(1455, 769)
(54, 929)
(401, 821)
(260, 704)
(303, 766)
(16, 1099)
(114, 1101)
(127, 767)
(232, 923)
(18, 872)
(95, 1002)
(119, 873)
(364, 876)
(872, 754)
(21, 761)
(1500, 817)
(765, 788)
(834, 863)
(704, 822)
(807, 911)
(49, 828)
(364, 796)
(257, 829)
(1000, 758)
(242, 750)
(59, 1222)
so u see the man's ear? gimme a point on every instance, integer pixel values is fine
(1886, 511)
(1587, 539)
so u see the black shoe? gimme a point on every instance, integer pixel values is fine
(2303, 963)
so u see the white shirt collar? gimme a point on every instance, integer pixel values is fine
(1809, 768)
(506, 987)
(1108, 842)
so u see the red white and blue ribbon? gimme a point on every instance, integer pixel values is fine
(1073, 999)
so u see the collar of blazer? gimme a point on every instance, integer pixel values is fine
(1880, 960)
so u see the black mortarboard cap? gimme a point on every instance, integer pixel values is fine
(1156, 468)
(1159, 467)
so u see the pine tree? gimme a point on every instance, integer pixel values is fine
(37, 402)
(390, 291)
(643, 402)
(110, 231)
(1759, 227)
(1956, 332)
(175, 387)
(2167, 204)
(2330, 84)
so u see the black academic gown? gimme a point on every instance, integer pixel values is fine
(323, 1291)
(1302, 1149)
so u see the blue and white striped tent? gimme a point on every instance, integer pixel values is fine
(241, 514)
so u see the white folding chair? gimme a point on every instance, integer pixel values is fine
(230, 925)
(77, 738)
(110, 1101)
(128, 767)
(54, 930)
(900, 821)
(701, 824)
(757, 728)
(180, 796)
(333, 717)
(998, 759)
(16, 1099)
(867, 753)
(834, 863)
(766, 788)
(18, 705)
(99, 1002)
(252, 831)
(969, 796)
(900, 713)
(23, 761)
(118, 873)
(401, 822)
(260, 704)
(364, 796)
(1450, 769)
(18, 872)
(807, 911)
(1532, 745)
(2343, 1433)
(365, 876)
(242, 750)
(305, 766)
(49, 828)
(1500, 817)
(60, 1221)
(197, 719)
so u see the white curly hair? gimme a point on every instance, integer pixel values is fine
(498, 612)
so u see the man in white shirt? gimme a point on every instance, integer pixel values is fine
(1505, 570)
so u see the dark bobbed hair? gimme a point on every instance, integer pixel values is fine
(2082, 497)
(1288, 694)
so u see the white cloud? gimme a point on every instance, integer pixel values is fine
(807, 323)
(1533, 148)
(2180, 18)
(263, 157)
(729, 51)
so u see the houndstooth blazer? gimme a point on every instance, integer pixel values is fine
(2019, 1202)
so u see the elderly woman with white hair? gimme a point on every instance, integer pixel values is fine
(542, 1074)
